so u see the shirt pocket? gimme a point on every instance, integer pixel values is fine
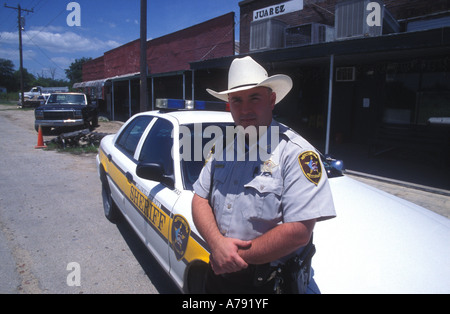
(264, 194)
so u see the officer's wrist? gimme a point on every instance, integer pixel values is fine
(215, 240)
(243, 253)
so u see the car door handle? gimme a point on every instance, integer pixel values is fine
(109, 157)
(129, 177)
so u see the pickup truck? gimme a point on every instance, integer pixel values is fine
(66, 110)
(43, 91)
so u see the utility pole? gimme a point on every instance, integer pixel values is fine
(19, 19)
(143, 58)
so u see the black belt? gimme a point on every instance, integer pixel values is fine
(252, 279)
(290, 277)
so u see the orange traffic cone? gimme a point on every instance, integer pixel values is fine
(40, 143)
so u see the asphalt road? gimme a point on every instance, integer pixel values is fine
(54, 237)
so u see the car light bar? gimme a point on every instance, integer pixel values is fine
(179, 104)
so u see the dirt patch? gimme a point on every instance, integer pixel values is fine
(108, 126)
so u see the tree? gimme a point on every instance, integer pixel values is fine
(28, 80)
(75, 71)
(7, 74)
(47, 82)
(52, 71)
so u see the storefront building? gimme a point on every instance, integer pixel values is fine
(369, 72)
(375, 73)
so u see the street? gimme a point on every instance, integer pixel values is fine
(54, 237)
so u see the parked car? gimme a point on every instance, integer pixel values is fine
(66, 110)
(378, 243)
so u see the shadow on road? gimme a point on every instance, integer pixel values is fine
(157, 275)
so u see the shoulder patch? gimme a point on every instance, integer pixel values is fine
(311, 166)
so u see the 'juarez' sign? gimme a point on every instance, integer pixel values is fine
(279, 9)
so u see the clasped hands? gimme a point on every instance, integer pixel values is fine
(225, 257)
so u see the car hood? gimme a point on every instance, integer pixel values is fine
(379, 243)
(61, 107)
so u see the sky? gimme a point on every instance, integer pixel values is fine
(51, 41)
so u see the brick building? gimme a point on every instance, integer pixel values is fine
(114, 78)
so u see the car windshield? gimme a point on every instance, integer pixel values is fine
(192, 165)
(66, 99)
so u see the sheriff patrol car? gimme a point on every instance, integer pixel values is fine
(378, 243)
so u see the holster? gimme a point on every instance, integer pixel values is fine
(293, 276)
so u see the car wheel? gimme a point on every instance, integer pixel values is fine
(110, 208)
(87, 125)
(94, 122)
(46, 130)
(195, 281)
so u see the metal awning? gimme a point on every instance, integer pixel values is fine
(95, 83)
(101, 82)
(124, 77)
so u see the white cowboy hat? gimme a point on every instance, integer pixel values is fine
(245, 73)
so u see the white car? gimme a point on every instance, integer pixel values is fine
(378, 243)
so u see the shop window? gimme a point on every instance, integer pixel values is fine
(345, 74)
(401, 98)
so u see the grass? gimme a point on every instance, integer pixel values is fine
(8, 103)
(73, 150)
(12, 105)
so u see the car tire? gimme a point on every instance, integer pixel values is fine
(196, 277)
(94, 122)
(110, 208)
(87, 125)
(45, 129)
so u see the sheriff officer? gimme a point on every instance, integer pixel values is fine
(258, 215)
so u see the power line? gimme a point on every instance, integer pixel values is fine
(42, 51)
(221, 40)
(19, 20)
(40, 31)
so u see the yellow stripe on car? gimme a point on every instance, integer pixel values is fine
(160, 219)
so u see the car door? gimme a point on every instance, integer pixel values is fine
(155, 199)
(124, 165)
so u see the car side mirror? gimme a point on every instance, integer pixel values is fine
(154, 172)
(337, 167)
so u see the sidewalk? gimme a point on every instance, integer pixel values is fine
(399, 167)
